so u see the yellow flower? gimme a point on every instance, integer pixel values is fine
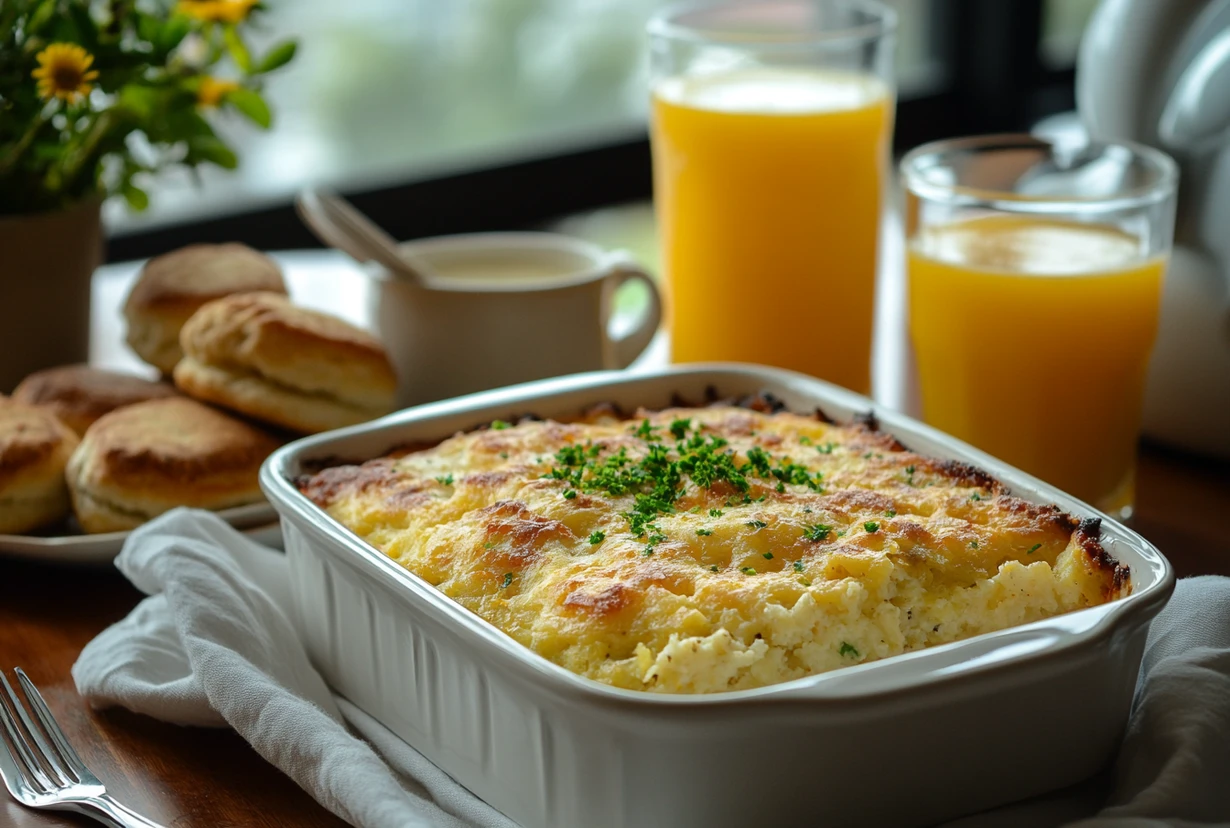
(216, 11)
(64, 72)
(212, 91)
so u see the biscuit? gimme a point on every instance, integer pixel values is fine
(145, 459)
(300, 369)
(34, 449)
(80, 394)
(173, 286)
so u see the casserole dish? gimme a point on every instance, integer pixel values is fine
(909, 740)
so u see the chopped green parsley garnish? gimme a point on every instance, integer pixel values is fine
(596, 537)
(704, 532)
(867, 456)
(445, 480)
(499, 425)
(759, 460)
(657, 481)
(973, 544)
(1034, 548)
(804, 582)
(891, 513)
(975, 496)
(871, 526)
(713, 568)
(798, 566)
(768, 556)
(503, 455)
(818, 532)
(569, 494)
(679, 428)
(847, 649)
(827, 448)
(748, 570)
(488, 545)
(805, 440)
(788, 472)
(756, 524)
(508, 576)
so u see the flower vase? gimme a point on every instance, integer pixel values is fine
(46, 264)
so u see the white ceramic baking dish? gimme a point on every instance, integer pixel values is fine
(909, 740)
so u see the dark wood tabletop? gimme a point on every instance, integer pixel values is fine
(211, 778)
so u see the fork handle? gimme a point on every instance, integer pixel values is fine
(109, 812)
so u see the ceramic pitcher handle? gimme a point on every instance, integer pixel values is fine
(628, 347)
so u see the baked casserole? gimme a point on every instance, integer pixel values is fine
(715, 548)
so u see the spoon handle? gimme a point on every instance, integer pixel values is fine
(338, 224)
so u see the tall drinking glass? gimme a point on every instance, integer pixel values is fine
(772, 123)
(1035, 274)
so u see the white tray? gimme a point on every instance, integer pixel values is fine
(909, 741)
(258, 520)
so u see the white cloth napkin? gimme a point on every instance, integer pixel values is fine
(214, 646)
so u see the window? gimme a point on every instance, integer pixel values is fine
(484, 114)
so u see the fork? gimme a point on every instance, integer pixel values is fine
(60, 781)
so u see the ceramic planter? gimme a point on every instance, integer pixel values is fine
(46, 264)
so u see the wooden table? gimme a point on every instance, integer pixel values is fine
(211, 778)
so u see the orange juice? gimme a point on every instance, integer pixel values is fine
(1033, 339)
(768, 190)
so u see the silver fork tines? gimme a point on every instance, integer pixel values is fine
(49, 774)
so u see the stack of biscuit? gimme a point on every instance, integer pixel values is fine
(302, 370)
(172, 287)
(249, 368)
(34, 449)
(80, 394)
(146, 459)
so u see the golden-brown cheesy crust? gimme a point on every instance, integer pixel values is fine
(734, 594)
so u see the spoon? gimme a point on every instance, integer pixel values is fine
(337, 223)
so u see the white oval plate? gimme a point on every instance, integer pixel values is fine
(257, 520)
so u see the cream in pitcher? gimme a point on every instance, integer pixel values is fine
(503, 308)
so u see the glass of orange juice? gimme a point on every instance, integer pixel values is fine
(771, 127)
(1035, 280)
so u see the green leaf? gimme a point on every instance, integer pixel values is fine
(237, 49)
(148, 27)
(84, 25)
(277, 57)
(185, 123)
(213, 150)
(252, 105)
(45, 151)
(139, 100)
(40, 17)
(173, 32)
(137, 198)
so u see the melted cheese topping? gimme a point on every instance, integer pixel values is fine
(734, 594)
